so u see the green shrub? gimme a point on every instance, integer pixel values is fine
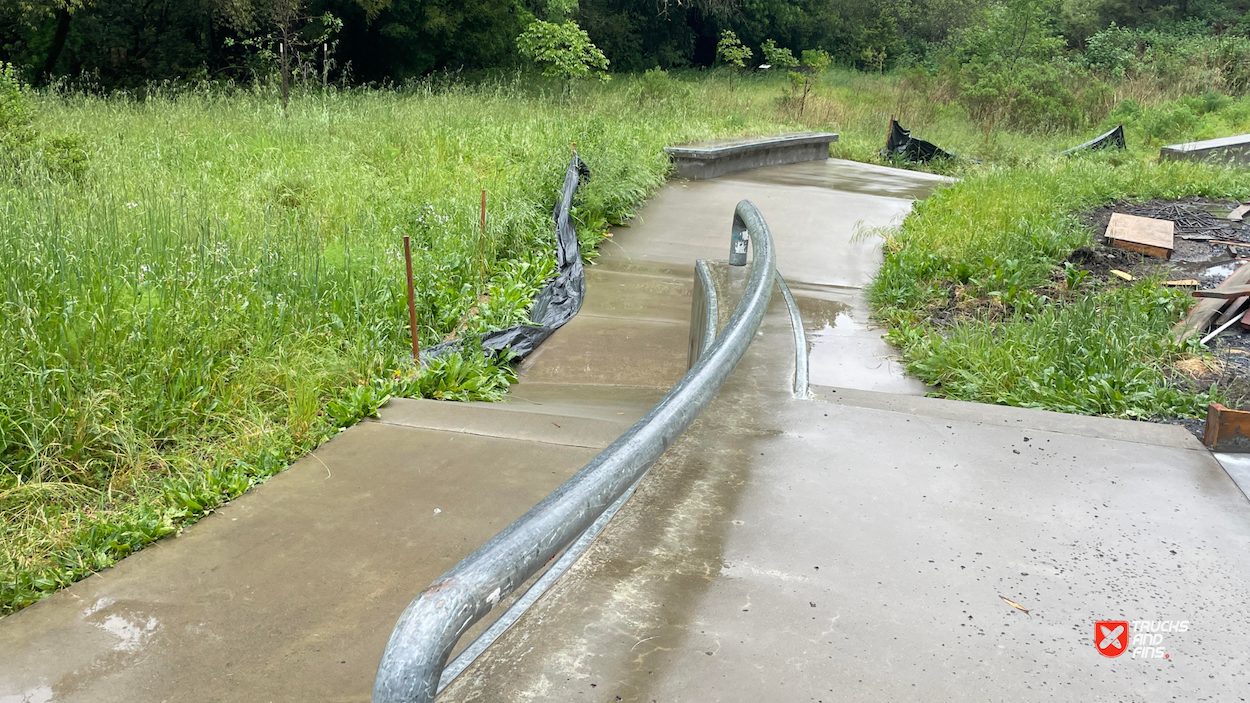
(61, 156)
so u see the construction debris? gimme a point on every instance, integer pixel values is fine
(1122, 274)
(1111, 140)
(1240, 212)
(1227, 430)
(900, 144)
(1225, 293)
(1144, 235)
(1189, 219)
(1182, 283)
(1200, 315)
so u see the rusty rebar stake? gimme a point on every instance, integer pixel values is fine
(412, 304)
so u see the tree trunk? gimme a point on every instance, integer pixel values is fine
(63, 17)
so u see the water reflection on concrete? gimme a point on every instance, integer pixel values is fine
(844, 349)
(847, 177)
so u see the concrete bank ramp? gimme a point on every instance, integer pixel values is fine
(849, 546)
(290, 592)
(862, 545)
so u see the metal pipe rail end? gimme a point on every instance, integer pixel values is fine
(430, 626)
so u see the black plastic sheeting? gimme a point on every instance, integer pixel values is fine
(902, 144)
(559, 300)
(1113, 139)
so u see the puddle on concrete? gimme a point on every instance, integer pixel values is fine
(847, 176)
(846, 352)
(1238, 468)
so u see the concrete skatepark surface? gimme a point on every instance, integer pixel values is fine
(855, 545)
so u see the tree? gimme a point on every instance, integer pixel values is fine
(777, 56)
(731, 51)
(564, 51)
(292, 30)
(815, 61)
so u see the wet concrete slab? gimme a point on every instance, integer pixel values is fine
(820, 214)
(861, 549)
(291, 591)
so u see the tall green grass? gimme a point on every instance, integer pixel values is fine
(223, 287)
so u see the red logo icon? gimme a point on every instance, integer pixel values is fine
(1111, 637)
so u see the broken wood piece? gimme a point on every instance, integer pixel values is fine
(1144, 235)
(1182, 283)
(1232, 311)
(1200, 315)
(1217, 331)
(1243, 245)
(1121, 274)
(1239, 213)
(1223, 293)
(1227, 430)
(1245, 321)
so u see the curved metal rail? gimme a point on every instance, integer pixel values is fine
(431, 625)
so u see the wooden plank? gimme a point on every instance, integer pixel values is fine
(1200, 315)
(1245, 321)
(1182, 283)
(1145, 235)
(1223, 293)
(1122, 274)
(1243, 245)
(1239, 214)
(1233, 310)
(1227, 430)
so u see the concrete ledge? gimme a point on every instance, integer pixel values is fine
(717, 158)
(1228, 150)
(1021, 418)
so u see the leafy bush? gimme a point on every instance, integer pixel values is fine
(1174, 61)
(655, 86)
(564, 51)
(21, 144)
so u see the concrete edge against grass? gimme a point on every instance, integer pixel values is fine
(1007, 416)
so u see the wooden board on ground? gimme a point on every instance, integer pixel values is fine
(1200, 315)
(1182, 283)
(1227, 430)
(1239, 213)
(1233, 310)
(1223, 292)
(1144, 235)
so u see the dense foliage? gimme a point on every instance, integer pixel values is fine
(1027, 48)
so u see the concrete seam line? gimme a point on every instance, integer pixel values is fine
(427, 631)
(488, 434)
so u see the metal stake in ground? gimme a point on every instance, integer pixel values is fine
(485, 267)
(412, 303)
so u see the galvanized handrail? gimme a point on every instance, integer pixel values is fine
(431, 625)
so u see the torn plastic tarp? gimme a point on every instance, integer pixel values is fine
(559, 300)
(1114, 138)
(901, 143)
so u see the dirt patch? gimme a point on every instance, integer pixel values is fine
(1201, 225)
